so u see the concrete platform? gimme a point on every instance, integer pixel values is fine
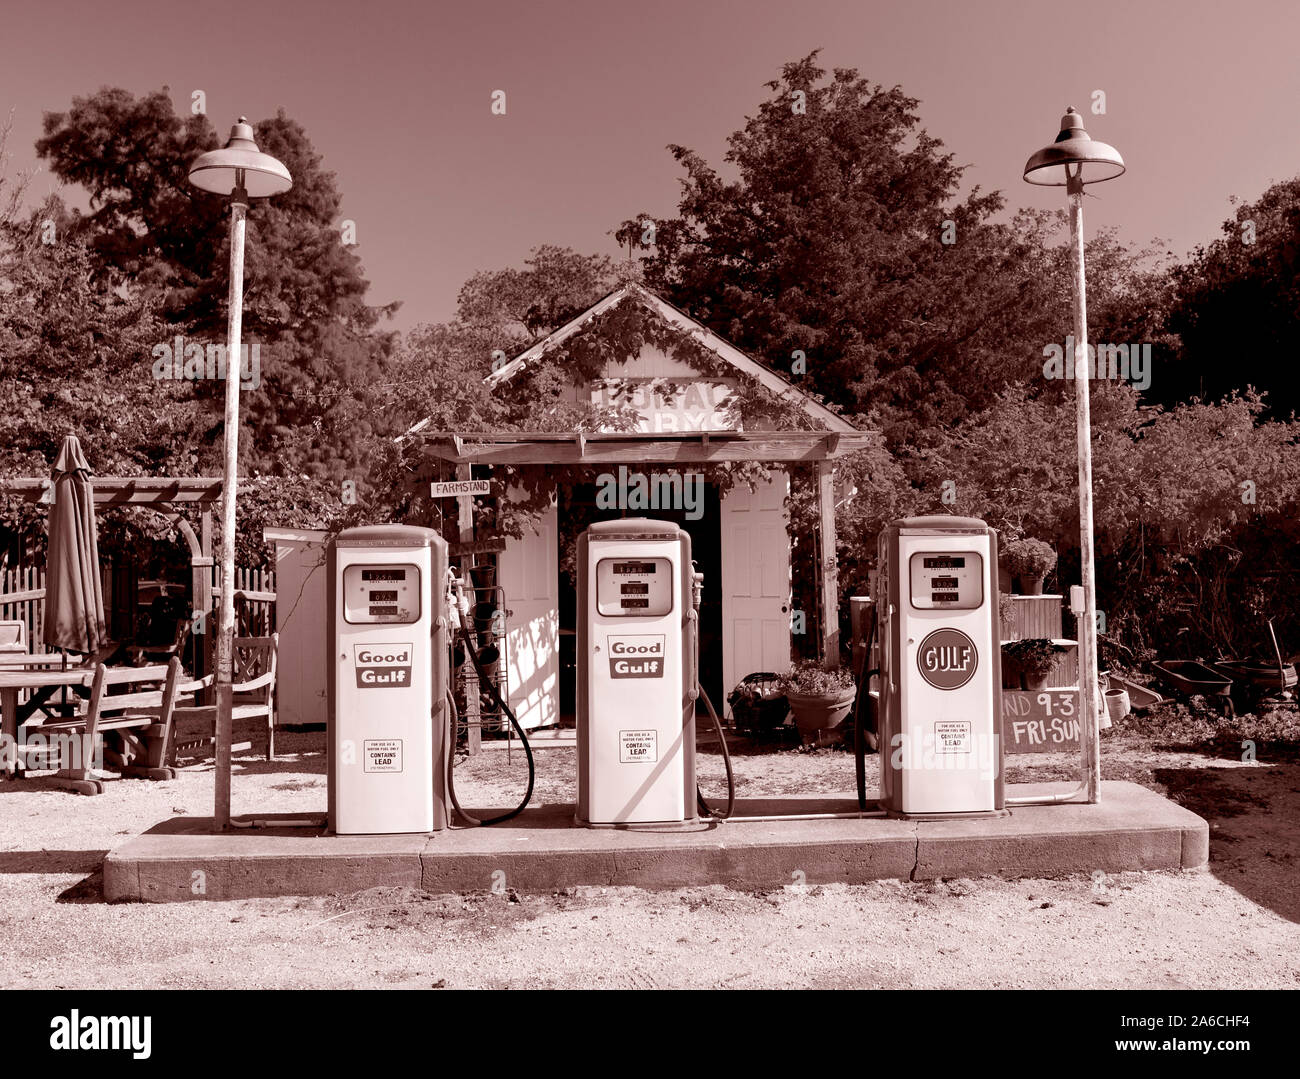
(542, 851)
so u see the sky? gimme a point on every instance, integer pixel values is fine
(1201, 98)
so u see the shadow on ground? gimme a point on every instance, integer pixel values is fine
(1254, 836)
(51, 861)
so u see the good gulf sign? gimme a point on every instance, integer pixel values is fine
(638, 656)
(947, 659)
(383, 666)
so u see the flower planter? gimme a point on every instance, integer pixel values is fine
(1029, 561)
(820, 711)
(1031, 664)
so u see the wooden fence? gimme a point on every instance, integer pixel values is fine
(22, 598)
(1035, 616)
(254, 600)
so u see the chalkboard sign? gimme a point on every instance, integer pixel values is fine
(1040, 721)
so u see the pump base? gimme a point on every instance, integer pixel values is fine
(898, 814)
(691, 825)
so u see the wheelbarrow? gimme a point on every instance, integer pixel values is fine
(1192, 678)
(1258, 678)
(758, 706)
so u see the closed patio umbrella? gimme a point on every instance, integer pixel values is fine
(74, 597)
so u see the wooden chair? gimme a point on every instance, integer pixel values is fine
(142, 654)
(254, 698)
(13, 636)
(133, 728)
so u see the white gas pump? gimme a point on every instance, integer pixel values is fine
(637, 674)
(940, 732)
(387, 680)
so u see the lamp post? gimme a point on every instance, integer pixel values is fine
(1073, 160)
(240, 171)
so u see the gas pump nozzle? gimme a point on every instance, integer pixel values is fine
(457, 601)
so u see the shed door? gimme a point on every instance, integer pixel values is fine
(755, 581)
(530, 577)
(302, 620)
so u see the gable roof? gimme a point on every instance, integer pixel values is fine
(722, 348)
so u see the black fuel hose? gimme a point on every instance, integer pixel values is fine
(860, 738)
(861, 703)
(484, 680)
(705, 809)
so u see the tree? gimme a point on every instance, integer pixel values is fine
(161, 240)
(831, 243)
(844, 238)
(70, 350)
(1196, 507)
(512, 308)
(1237, 308)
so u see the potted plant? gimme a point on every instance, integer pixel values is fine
(1029, 561)
(1029, 661)
(819, 697)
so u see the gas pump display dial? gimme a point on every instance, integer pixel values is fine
(631, 587)
(381, 594)
(947, 580)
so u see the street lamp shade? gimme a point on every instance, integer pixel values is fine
(240, 164)
(1073, 146)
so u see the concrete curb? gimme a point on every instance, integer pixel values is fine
(542, 851)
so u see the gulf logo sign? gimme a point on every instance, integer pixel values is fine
(947, 659)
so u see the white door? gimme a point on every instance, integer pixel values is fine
(530, 577)
(755, 581)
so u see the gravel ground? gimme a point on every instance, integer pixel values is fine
(1235, 926)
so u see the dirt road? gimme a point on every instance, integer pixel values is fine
(1236, 925)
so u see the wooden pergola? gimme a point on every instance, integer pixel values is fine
(160, 494)
(819, 448)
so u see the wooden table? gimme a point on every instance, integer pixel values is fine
(19, 672)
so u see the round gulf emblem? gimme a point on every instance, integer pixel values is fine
(947, 659)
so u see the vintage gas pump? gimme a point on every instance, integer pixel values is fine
(637, 674)
(387, 680)
(940, 733)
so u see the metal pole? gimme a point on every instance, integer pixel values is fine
(1089, 732)
(226, 612)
